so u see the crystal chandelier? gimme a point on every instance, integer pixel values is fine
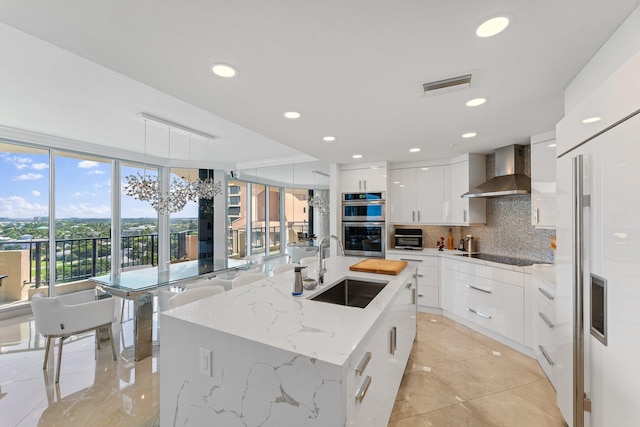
(320, 204)
(147, 188)
(207, 188)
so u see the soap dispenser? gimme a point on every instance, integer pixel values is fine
(297, 280)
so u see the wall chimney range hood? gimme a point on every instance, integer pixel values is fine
(509, 177)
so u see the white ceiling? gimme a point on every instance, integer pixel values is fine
(354, 69)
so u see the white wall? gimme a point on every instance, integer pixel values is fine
(622, 45)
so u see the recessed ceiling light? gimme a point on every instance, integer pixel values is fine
(475, 102)
(414, 150)
(396, 182)
(592, 120)
(401, 185)
(492, 26)
(329, 138)
(357, 156)
(552, 145)
(292, 115)
(224, 70)
(469, 135)
(424, 169)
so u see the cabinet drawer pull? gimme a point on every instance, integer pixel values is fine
(414, 297)
(362, 390)
(478, 289)
(409, 259)
(546, 320)
(546, 355)
(363, 363)
(420, 275)
(393, 343)
(408, 285)
(479, 313)
(420, 295)
(546, 294)
(413, 216)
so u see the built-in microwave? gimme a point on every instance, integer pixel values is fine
(363, 207)
(408, 238)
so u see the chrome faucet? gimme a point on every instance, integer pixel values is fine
(321, 268)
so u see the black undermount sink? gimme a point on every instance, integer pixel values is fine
(351, 292)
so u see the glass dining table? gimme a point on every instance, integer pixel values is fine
(140, 285)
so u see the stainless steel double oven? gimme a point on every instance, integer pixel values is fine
(363, 224)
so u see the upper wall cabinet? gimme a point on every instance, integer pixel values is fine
(543, 180)
(360, 178)
(417, 195)
(467, 171)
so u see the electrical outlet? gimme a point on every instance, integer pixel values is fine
(204, 362)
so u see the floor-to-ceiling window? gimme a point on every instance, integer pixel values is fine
(82, 216)
(236, 219)
(138, 222)
(274, 220)
(258, 219)
(24, 221)
(297, 213)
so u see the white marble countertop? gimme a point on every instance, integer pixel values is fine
(266, 312)
(455, 254)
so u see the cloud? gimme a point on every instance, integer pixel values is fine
(21, 166)
(40, 166)
(95, 172)
(35, 193)
(17, 207)
(88, 164)
(83, 193)
(84, 210)
(28, 177)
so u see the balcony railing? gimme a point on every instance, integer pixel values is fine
(78, 259)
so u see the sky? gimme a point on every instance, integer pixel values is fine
(83, 189)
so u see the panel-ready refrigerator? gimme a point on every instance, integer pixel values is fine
(597, 362)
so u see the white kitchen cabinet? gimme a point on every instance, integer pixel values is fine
(544, 320)
(378, 363)
(490, 297)
(428, 276)
(417, 195)
(466, 172)
(361, 178)
(543, 181)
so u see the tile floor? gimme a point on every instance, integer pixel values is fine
(456, 377)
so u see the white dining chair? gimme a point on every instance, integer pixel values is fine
(245, 279)
(66, 315)
(214, 281)
(283, 268)
(192, 295)
(253, 268)
(310, 260)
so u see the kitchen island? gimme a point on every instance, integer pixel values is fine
(280, 360)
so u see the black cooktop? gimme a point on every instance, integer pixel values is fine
(500, 259)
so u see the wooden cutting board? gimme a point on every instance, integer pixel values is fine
(380, 266)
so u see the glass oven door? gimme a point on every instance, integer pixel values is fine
(364, 238)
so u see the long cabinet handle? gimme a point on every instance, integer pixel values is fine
(391, 341)
(546, 320)
(546, 355)
(418, 216)
(413, 216)
(546, 294)
(363, 363)
(535, 216)
(410, 259)
(478, 289)
(362, 390)
(464, 216)
(414, 297)
(479, 313)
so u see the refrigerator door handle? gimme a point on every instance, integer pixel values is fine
(578, 285)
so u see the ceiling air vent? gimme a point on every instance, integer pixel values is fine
(447, 85)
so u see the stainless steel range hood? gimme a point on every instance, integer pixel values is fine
(509, 177)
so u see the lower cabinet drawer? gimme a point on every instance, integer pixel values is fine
(490, 292)
(428, 296)
(503, 322)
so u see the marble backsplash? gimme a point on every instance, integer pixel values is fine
(508, 230)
